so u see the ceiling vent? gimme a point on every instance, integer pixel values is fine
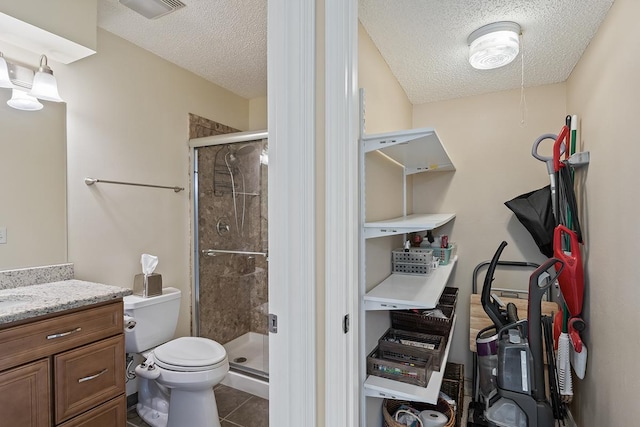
(152, 9)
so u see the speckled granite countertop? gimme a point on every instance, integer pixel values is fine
(25, 302)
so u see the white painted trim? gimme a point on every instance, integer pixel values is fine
(342, 213)
(228, 138)
(292, 218)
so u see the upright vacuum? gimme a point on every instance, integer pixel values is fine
(510, 354)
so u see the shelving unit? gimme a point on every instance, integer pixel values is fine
(405, 224)
(404, 291)
(417, 151)
(388, 389)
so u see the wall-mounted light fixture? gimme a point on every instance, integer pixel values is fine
(21, 100)
(28, 85)
(44, 84)
(494, 45)
(5, 82)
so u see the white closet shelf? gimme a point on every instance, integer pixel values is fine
(389, 389)
(418, 150)
(404, 291)
(406, 224)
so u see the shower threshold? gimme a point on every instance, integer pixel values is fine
(249, 353)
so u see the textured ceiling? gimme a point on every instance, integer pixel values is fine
(423, 41)
(224, 41)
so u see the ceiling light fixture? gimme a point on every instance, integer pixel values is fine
(45, 85)
(494, 45)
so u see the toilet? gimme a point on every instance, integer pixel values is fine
(176, 380)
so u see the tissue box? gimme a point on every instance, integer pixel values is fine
(150, 287)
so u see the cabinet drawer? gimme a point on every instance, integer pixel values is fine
(32, 341)
(88, 376)
(110, 414)
(24, 396)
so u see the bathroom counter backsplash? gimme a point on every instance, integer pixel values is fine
(35, 275)
(30, 301)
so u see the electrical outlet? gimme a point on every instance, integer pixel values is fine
(3, 235)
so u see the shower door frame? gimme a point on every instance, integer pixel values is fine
(194, 143)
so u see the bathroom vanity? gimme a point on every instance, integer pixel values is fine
(62, 357)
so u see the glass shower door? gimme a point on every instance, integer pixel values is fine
(233, 263)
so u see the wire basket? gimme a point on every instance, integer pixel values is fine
(395, 367)
(453, 386)
(389, 407)
(417, 321)
(449, 296)
(414, 346)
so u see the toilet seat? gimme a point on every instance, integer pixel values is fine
(190, 354)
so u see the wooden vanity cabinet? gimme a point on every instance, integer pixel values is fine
(24, 395)
(64, 370)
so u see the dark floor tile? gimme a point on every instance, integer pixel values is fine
(225, 423)
(133, 419)
(228, 399)
(254, 413)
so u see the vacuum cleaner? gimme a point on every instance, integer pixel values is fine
(510, 355)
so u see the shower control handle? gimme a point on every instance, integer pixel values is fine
(222, 227)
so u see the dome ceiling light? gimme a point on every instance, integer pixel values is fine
(494, 45)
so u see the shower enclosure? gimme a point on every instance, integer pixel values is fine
(230, 259)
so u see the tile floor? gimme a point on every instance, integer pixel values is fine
(239, 409)
(235, 408)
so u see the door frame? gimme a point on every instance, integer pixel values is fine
(342, 214)
(301, 36)
(291, 99)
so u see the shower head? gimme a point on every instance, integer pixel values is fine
(244, 150)
(240, 151)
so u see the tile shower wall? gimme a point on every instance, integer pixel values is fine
(233, 288)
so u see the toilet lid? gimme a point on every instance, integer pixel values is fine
(189, 354)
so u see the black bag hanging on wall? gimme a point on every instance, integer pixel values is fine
(534, 210)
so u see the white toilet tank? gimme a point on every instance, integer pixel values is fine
(155, 319)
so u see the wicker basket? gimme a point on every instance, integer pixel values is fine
(395, 367)
(409, 320)
(449, 296)
(425, 346)
(389, 407)
(453, 386)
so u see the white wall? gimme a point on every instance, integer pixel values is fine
(491, 150)
(258, 113)
(127, 120)
(603, 90)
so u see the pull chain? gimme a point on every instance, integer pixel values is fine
(523, 100)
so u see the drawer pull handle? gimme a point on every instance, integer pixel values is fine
(63, 334)
(92, 377)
